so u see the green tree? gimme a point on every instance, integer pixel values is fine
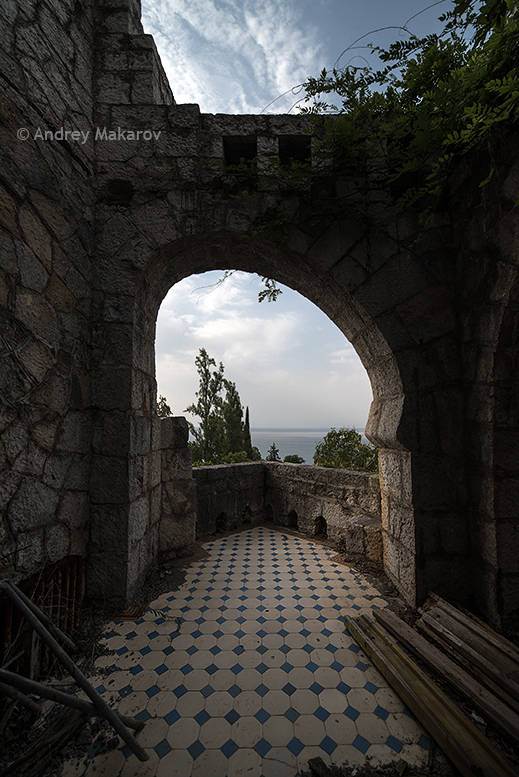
(210, 436)
(273, 454)
(344, 448)
(432, 100)
(222, 436)
(247, 442)
(163, 409)
(255, 454)
(232, 412)
(294, 458)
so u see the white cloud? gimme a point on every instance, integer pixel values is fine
(291, 365)
(234, 56)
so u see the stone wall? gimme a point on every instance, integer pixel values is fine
(93, 235)
(339, 504)
(46, 239)
(320, 502)
(229, 496)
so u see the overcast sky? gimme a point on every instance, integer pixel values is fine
(292, 366)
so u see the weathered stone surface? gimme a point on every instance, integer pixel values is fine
(174, 432)
(343, 504)
(32, 505)
(432, 312)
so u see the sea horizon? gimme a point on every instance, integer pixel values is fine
(291, 440)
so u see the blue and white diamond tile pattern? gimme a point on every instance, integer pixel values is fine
(261, 675)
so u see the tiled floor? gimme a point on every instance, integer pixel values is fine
(258, 675)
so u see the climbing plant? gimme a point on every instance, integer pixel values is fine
(430, 102)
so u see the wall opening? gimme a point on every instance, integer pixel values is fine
(200, 253)
(264, 348)
(292, 520)
(320, 527)
(239, 149)
(294, 148)
(221, 523)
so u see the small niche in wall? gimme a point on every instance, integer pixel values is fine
(239, 149)
(269, 514)
(292, 520)
(320, 527)
(221, 523)
(294, 148)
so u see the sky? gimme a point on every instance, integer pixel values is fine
(290, 363)
(292, 366)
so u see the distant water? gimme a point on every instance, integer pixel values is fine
(300, 441)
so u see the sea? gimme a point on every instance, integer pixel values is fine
(288, 441)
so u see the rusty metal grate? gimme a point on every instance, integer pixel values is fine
(58, 590)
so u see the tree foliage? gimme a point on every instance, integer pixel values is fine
(273, 453)
(294, 458)
(163, 409)
(221, 436)
(344, 448)
(432, 100)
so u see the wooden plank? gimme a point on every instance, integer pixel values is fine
(467, 748)
(488, 674)
(488, 682)
(489, 704)
(478, 643)
(479, 627)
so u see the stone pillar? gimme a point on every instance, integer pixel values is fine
(178, 491)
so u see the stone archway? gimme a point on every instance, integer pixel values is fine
(220, 250)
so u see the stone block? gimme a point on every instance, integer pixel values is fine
(36, 236)
(109, 481)
(38, 315)
(33, 274)
(33, 505)
(174, 432)
(74, 433)
(111, 434)
(111, 388)
(73, 509)
(138, 519)
(29, 554)
(56, 542)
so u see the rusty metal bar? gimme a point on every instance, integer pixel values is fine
(100, 704)
(44, 619)
(68, 700)
(12, 693)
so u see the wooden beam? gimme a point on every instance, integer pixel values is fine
(493, 655)
(489, 705)
(460, 740)
(478, 627)
(488, 674)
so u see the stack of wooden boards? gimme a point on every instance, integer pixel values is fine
(467, 654)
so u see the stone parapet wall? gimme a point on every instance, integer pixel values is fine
(229, 496)
(339, 504)
(335, 503)
(178, 490)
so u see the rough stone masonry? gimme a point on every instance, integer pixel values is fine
(94, 233)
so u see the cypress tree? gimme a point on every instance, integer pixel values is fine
(247, 442)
